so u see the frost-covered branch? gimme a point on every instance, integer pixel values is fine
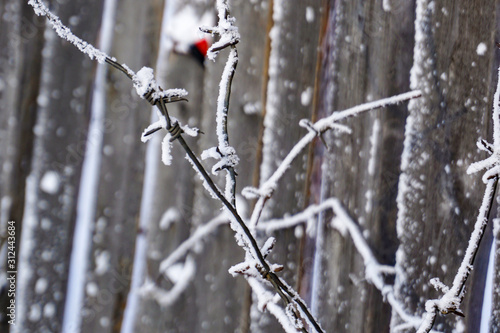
(374, 271)
(192, 241)
(266, 190)
(256, 265)
(452, 299)
(147, 88)
(225, 29)
(229, 37)
(268, 300)
(65, 33)
(180, 274)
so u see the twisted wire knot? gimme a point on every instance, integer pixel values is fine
(175, 131)
(151, 97)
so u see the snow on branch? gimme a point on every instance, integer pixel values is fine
(229, 37)
(225, 28)
(266, 190)
(224, 152)
(144, 81)
(147, 88)
(180, 274)
(292, 221)
(192, 241)
(374, 271)
(268, 300)
(492, 163)
(452, 298)
(65, 33)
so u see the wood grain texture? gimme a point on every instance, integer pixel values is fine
(60, 135)
(366, 58)
(439, 201)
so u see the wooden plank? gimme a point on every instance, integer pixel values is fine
(366, 58)
(20, 65)
(52, 186)
(294, 40)
(135, 42)
(171, 209)
(222, 308)
(438, 201)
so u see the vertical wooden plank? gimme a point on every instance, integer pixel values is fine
(366, 58)
(290, 89)
(221, 309)
(19, 83)
(495, 301)
(52, 186)
(438, 201)
(135, 42)
(171, 208)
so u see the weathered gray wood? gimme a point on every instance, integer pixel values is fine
(21, 42)
(135, 42)
(366, 59)
(173, 192)
(439, 202)
(52, 187)
(367, 54)
(495, 315)
(290, 90)
(221, 308)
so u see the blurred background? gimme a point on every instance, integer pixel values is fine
(96, 211)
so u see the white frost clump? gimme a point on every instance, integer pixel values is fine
(226, 29)
(166, 148)
(306, 96)
(50, 182)
(102, 262)
(172, 215)
(481, 49)
(309, 14)
(144, 81)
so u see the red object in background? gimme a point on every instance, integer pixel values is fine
(199, 51)
(202, 46)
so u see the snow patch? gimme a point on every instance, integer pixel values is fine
(386, 5)
(50, 182)
(309, 14)
(166, 148)
(49, 310)
(41, 285)
(102, 262)
(306, 96)
(481, 49)
(172, 215)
